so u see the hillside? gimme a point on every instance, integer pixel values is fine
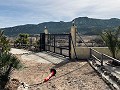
(85, 25)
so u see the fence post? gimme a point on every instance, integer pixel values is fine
(101, 59)
(60, 51)
(54, 43)
(90, 53)
(40, 43)
(69, 46)
(49, 42)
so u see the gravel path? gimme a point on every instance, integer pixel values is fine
(70, 76)
(74, 76)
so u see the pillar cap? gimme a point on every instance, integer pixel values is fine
(45, 27)
(73, 23)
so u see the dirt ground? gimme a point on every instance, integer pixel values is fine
(77, 75)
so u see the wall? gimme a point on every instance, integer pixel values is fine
(84, 52)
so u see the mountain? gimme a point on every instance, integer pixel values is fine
(84, 25)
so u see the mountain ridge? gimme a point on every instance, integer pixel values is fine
(84, 25)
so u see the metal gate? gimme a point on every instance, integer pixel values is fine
(42, 41)
(57, 43)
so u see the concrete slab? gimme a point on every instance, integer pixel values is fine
(18, 51)
(33, 57)
(53, 59)
(42, 57)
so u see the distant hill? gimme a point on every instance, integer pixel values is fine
(85, 25)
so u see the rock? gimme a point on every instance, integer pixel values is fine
(23, 86)
(13, 84)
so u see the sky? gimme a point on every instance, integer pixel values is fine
(20, 12)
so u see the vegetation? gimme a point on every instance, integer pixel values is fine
(111, 39)
(22, 40)
(97, 41)
(4, 43)
(8, 62)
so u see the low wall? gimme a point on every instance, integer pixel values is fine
(84, 52)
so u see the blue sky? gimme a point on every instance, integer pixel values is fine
(20, 12)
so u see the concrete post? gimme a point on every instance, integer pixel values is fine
(46, 30)
(73, 42)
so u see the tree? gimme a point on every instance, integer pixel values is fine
(111, 39)
(22, 40)
(4, 43)
(8, 62)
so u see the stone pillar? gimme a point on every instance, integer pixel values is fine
(46, 36)
(46, 30)
(73, 41)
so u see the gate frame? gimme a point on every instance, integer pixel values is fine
(43, 43)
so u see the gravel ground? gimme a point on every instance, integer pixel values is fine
(70, 76)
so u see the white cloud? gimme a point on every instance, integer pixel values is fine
(36, 11)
